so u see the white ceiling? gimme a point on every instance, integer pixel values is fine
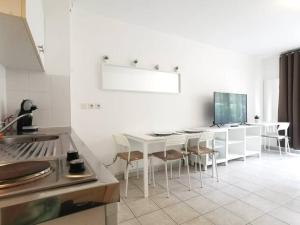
(255, 27)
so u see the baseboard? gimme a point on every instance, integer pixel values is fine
(275, 149)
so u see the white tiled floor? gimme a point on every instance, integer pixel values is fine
(255, 192)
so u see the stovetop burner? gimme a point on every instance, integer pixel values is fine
(37, 175)
(14, 174)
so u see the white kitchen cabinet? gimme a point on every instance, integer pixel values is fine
(34, 16)
(22, 34)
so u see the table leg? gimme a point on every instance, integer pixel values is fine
(226, 148)
(213, 165)
(212, 159)
(146, 170)
(265, 139)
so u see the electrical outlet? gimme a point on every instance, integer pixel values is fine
(97, 106)
(91, 106)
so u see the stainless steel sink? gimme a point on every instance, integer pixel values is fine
(23, 147)
(20, 139)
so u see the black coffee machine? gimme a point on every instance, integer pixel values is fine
(24, 124)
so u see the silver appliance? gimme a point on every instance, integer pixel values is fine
(30, 149)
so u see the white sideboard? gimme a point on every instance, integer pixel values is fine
(235, 143)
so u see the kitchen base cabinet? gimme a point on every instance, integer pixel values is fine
(94, 216)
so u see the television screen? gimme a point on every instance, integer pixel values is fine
(230, 108)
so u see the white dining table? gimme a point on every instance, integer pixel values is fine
(147, 139)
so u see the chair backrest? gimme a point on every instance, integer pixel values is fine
(283, 126)
(203, 137)
(271, 129)
(206, 136)
(176, 140)
(121, 140)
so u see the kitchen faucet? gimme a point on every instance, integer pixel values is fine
(2, 130)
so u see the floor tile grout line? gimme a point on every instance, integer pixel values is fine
(267, 186)
(209, 213)
(263, 213)
(201, 214)
(157, 211)
(170, 217)
(267, 214)
(146, 213)
(251, 192)
(129, 220)
(276, 218)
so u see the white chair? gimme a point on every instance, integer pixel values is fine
(169, 154)
(128, 156)
(200, 150)
(274, 133)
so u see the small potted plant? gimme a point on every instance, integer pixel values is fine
(256, 118)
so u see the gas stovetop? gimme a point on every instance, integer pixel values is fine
(57, 175)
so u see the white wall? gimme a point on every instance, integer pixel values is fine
(51, 93)
(270, 74)
(270, 67)
(2, 92)
(204, 69)
(271, 98)
(57, 36)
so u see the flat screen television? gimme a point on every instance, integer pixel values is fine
(230, 108)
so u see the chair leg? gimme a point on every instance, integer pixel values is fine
(200, 171)
(288, 144)
(179, 168)
(188, 171)
(279, 147)
(171, 168)
(152, 170)
(137, 169)
(216, 167)
(126, 179)
(167, 178)
(196, 158)
(212, 165)
(285, 146)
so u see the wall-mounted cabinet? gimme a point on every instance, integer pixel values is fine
(22, 34)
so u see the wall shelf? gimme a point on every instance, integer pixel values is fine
(232, 156)
(231, 142)
(253, 136)
(252, 152)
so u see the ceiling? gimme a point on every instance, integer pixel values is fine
(254, 27)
